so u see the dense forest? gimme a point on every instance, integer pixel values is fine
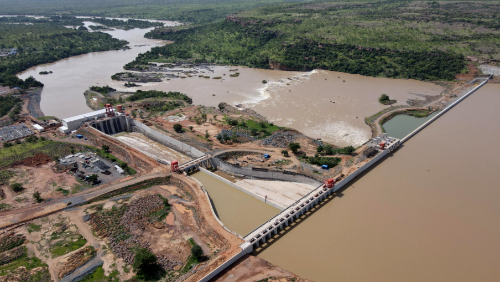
(66, 20)
(232, 43)
(40, 43)
(192, 11)
(403, 39)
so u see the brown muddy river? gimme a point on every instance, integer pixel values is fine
(321, 104)
(429, 212)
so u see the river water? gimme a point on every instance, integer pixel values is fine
(322, 104)
(428, 212)
(402, 125)
(238, 211)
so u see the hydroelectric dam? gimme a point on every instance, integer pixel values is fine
(298, 209)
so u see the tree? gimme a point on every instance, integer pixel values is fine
(328, 150)
(384, 98)
(93, 178)
(234, 137)
(253, 131)
(285, 153)
(206, 134)
(105, 148)
(294, 147)
(219, 137)
(263, 124)
(133, 114)
(319, 149)
(146, 265)
(37, 197)
(17, 187)
(197, 252)
(7, 144)
(264, 81)
(123, 165)
(178, 127)
(190, 128)
(225, 137)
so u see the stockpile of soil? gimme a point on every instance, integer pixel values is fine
(37, 159)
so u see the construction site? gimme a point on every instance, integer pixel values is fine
(93, 193)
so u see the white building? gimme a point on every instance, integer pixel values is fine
(73, 123)
(37, 127)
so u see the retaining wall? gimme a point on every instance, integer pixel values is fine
(212, 208)
(268, 175)
(241, 189)
(226, 264)
(165, 140)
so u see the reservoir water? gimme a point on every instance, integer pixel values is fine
(238, 211)
(401, 125)
(322, 104)
(428, 212)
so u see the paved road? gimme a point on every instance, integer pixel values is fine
(20, 215)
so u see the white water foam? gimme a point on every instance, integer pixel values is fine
(339, 133)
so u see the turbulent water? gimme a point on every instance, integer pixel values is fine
(322, 104)
(429, 212)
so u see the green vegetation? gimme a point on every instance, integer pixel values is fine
(53, 149)
(178, 127)
(99, 276)
(285, 153)
(27, 262)
(196, 252)
(4, 207)
(146, 265)
(194, 11)
(5, 176)
(329, 150)
(102, 89)
(295, 147)
(34, 228)
(139, 95)
(384, 99)
(419, 114)
(17, 187)
(317, 160)
(65, 246)
(41, 43)
(126, 168)
(400, 39)
(7, 103)
(36, 197)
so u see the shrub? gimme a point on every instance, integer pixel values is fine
(285, 153)
(197, 252)
(37, 197)
(17, 187)
(105, 148)
(178, 127)
(294, 147)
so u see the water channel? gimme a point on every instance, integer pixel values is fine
(401, 125)
(238, 211)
